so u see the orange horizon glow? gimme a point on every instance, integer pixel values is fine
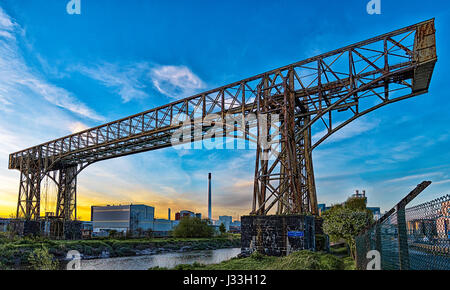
(8, 208)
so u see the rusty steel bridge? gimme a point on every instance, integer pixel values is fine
(326, 92)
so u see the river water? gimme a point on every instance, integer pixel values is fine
(168, 260)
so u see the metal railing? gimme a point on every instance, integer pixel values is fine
(416, 238)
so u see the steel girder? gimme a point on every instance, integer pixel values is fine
(314, 98)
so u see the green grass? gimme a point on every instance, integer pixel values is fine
(302, 260)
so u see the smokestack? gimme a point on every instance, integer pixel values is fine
(169, 214)
(209, 196)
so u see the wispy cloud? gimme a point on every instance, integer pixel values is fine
(132, 80)
(442, 181)
(128, 81)
(15, 75)
(32, 109)
(176, 81)
(415, 176)
(76, 127)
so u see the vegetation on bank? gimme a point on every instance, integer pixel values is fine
(301, 260)
(26, 253)
(343, 222)
(192, 227)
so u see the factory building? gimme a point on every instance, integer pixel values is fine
(187, 213)
(226, 221)
(128, 219)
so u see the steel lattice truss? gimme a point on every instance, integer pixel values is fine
(321, 94)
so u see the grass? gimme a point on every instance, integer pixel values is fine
(301, 260)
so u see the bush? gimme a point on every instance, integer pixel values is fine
(330, 262)
(346, 221)
(257, 256)
(41, 259)
(321, 243)
(3, 266)
(222, 228)
(193, 228)
(302, 260)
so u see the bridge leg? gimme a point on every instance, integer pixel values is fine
(286, 180)
(308, 185)
(66, 205)
(29, 203)
(28, 206)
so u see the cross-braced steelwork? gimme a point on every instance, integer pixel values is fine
(318, 95)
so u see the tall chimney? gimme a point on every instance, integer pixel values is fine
(209, 196)
(169, 214)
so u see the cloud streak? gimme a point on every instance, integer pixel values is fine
(16, 76)
(176, 81)
(127, 81)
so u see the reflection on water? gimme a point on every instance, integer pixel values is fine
(168, 260)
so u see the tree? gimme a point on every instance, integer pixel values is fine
(346, 221)
(222, 228)
(41, 259)
(190, 227)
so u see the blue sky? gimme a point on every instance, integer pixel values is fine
(60, 73)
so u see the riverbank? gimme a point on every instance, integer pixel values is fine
(14, 254)
(302, 260)
(337, 259)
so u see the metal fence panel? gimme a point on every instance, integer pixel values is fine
(416, 238)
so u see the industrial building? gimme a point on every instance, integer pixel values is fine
(226, 221)
(128, 219)
(187, 213)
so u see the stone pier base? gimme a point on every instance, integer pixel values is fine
(277, 235)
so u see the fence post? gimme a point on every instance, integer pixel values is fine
(403, 252)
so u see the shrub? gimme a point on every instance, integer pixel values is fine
(321, 243)
(302, 260)
(346, 221)
(330, 262)
(257, 256)
(193, 228)
(41, 259)
(222, 228)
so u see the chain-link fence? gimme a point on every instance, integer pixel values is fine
(416, 238)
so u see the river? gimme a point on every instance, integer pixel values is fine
(168, 260)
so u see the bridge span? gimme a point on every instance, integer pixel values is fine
(326, 92)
